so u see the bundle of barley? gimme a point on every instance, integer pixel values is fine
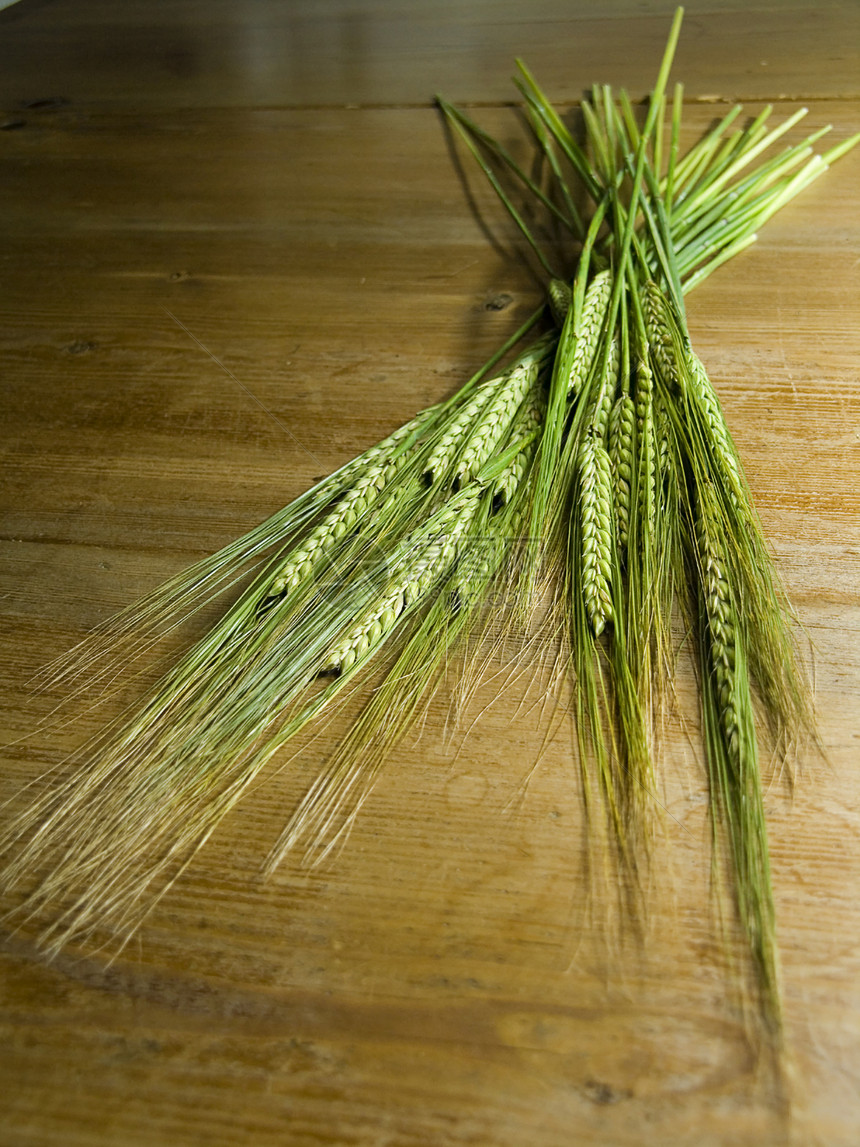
(640, 497)
(603, 440)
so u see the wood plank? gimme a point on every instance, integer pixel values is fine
(445, 980)
(218, 53)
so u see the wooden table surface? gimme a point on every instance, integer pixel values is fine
(273, 178)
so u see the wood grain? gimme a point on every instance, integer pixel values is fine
(447, 980)
(253, 53)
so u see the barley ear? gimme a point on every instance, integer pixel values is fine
(449, 443)
(378, 467)
(494, 423)
(646, 462)
(587, 330)
(525, 433)
(622, 425)
(479, 564)
(604, 396)
(559, 300)
(422, 559)
(595, 523)
(732, 752)
(719, 437)
(659, 329)
(722, 626)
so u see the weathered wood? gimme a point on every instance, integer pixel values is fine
(223, 54)
(446, 980)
